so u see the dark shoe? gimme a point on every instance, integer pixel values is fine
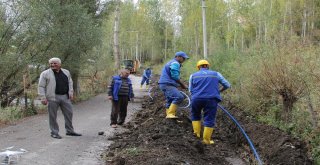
(120, 123)
(73, 134)
(56, 136)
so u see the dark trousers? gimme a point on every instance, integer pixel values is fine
(119, 110)
(65, 104)
(209, 109)
(145, 79)
(173, 95)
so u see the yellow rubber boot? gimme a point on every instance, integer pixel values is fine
(196, 128)
(140, 86)
(207, 133)
(172, 111)
(147, 86)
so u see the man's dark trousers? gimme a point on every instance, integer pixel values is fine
(119, 109)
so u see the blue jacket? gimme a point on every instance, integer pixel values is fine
(170, 73)
(205, 84)
(147, 73)
(116, 86)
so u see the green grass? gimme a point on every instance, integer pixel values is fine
(133, 151)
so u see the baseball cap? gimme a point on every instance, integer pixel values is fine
(182, 54)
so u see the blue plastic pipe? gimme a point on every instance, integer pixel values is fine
(186, 97)
(244, 133)
(149, 93)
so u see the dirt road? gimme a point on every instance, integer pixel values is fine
(90, 117)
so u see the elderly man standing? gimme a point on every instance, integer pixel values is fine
(120, 92)
(56, 89)
(205, 96)
(169, 81)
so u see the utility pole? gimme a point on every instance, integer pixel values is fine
(204, 26)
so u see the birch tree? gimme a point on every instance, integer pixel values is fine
(116, 50)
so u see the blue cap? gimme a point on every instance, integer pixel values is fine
(182, 54)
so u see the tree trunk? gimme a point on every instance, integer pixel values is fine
(288, 100)
(291, 19)
(166, 43)
(235, 39)
(313, 17)
(242, 41)
(304, 23)
(197, 38)
(75, 79)
(266, 23)
(5, 101)
(313, 113)
(116, 50)
(284, 22)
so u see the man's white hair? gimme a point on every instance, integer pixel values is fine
(55, 59)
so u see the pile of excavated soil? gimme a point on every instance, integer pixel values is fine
(152, 139)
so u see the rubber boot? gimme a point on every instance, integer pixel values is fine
(207, 133)
(147, 87)
(196, 127)
(172, 111)
(140, 86)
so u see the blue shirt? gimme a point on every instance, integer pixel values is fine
(170, 73)
(147, 73)
(115, 86)
(205, 84)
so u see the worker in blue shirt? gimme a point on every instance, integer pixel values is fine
(205, 86)
(146, 77)
(170, 80)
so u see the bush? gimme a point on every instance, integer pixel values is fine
(10, 114)
(278, 85)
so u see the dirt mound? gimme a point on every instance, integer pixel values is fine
(152, 139)
(274, 145)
